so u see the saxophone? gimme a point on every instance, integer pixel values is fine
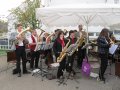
(76, 45)
(39, 40)
(74, 48)
(63, 53)
(16, 41)
(48, 39)
(81, 40)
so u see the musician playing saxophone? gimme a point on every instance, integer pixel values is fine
(69, 65)
(59, 44)
(20, 52)
(81, 52)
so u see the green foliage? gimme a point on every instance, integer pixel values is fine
(26, 14)
(2, 52)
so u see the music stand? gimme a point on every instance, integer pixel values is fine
(42, 47)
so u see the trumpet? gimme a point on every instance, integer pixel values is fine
(63, 53)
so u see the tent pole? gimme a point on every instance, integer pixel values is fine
(87, 38)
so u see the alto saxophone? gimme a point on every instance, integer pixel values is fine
(63, 53)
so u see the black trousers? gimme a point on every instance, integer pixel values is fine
(103, 66)
(81, 55)
(61, 68)
(70, 62)
(20, 54)
(34, 59)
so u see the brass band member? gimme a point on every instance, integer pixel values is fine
(20, 53)
(81, 52)
(103, 50)
(71, 58)
(34, 54)
(56, 34)
(58, 46)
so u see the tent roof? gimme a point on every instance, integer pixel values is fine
(92, 14)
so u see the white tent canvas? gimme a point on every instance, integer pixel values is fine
(72, 15)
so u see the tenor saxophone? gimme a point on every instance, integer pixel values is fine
(63, 53)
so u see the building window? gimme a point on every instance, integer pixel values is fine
(91, 34)
(116, 1)
(97, 34)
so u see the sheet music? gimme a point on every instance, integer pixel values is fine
(43, 46)
(113, 48)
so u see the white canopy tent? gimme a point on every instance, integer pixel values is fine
(72, 15)
(75, 14)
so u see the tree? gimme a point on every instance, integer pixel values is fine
(25, 13)
(3, 26)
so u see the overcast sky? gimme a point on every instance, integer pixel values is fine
(6, 5)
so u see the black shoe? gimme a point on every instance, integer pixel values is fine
(74, 73)
(26, 72)
(19, 74)
(15, 71)
(103, 79)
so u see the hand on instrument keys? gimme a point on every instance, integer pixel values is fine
(19, 37)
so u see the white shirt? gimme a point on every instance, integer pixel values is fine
(30, 39)
(20, 42)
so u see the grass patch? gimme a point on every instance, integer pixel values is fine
(2, 52)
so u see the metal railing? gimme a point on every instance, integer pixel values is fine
(4, 47)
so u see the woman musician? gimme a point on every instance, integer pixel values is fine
(71, 58)
(104, 44)
(59, 44)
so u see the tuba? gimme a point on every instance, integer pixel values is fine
(63, 53)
